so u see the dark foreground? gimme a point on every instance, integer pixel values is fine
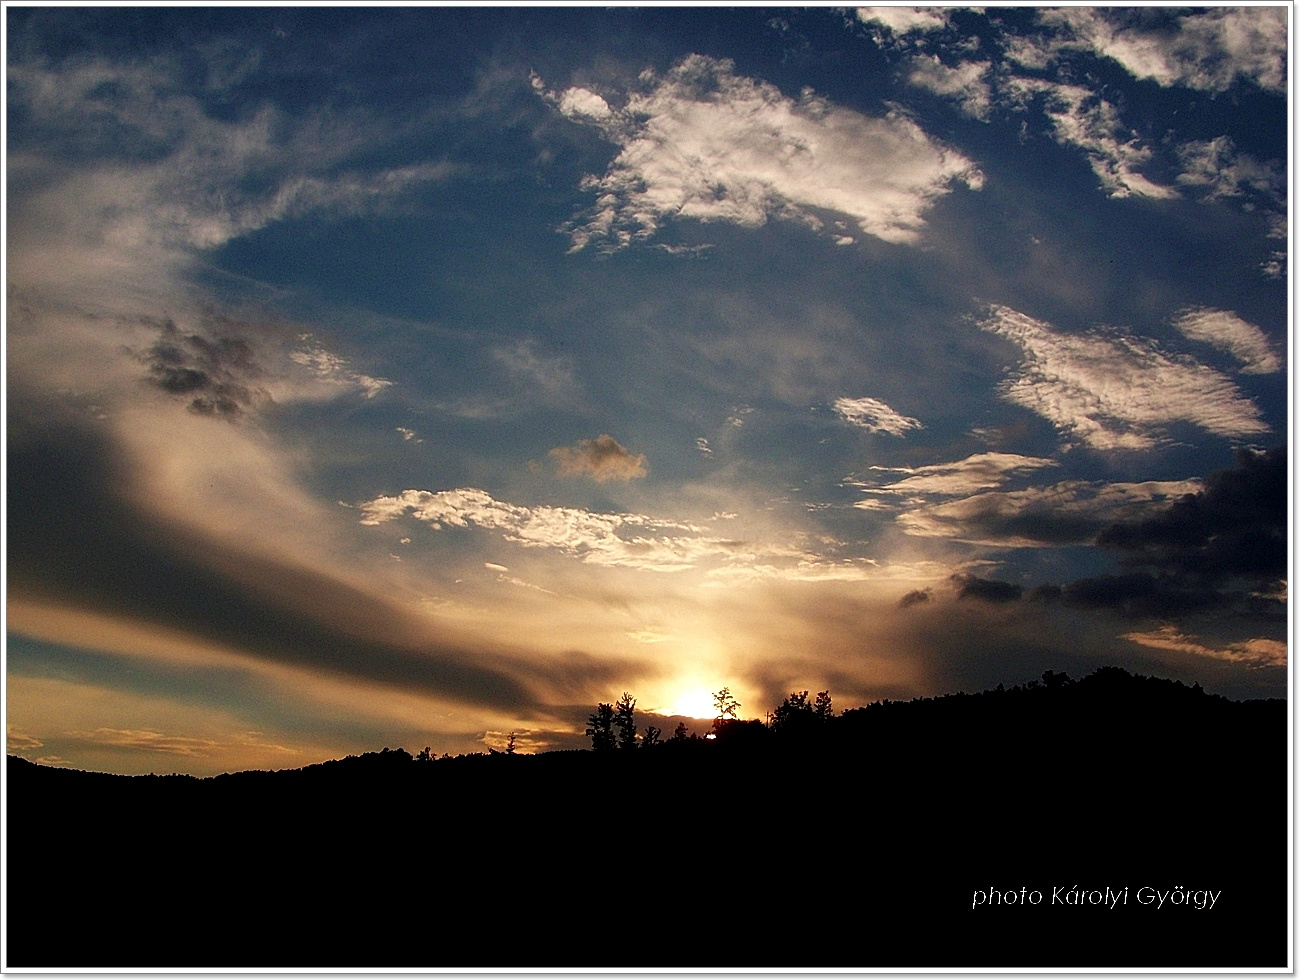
(864, 845)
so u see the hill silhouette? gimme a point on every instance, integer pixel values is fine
(904, 834)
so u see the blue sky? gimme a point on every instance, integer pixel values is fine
(412, 376)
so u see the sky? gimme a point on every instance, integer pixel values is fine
(413, 376)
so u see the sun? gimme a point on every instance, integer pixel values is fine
(694, 703)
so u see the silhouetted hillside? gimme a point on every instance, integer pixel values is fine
(864, 841)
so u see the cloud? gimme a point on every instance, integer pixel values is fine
(624, 540)
(136, 563)
(1071, 512)
(1083, 119)
(147, 741)
(334, 370)
(17, 741)
(986, 589)
(1142, 594)
(602, 459)
(1220, 170)
(905, 20)
(914, 598)
(1222, 548)
(1229, 332)
(215, 374)
(1115, 391)
(1236, 527)
(978, 472)
(1207, 50)
(702, 142)
(170, 174)
(578, 103)
(966, 84)
(553, 376)
(1255, 652)
(408, 435)
(874, 416)
(649, 636)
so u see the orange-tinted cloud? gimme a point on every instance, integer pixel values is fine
(601, 459)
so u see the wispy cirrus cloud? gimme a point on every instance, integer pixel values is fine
(978, 472)
(1116, 391)
(1219, 170)
(602, 459)
(874, 416)
(1081, 118)
(703, 142)
(168, 177)
(1228, 332)
(1255, 652)
(333, 369)
(150, 740)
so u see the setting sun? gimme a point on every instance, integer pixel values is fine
(695, 703)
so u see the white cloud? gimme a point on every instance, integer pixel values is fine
(1229, 332)
(1071, 512)
(168, 177)
(1114, 391)
(905, 20)
(967, 84)
(333, 370)
(978, 472)
(409, 435)
(1082, 118)
(1207, 50)
(578, 103)
(874, 416)
(1254, 652)
(1220, 171)
(627, 540)
(702, 142)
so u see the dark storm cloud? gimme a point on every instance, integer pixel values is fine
(1234, 528)
(76, 538)
(1141, 594)
(1212, 550)
(914, 598)
(214, 374)
(986, 589)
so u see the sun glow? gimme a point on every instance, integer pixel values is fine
(696, 703)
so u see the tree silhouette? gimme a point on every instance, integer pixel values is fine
(510, 744)
(725, 704)
(822, 706)
(600, 727)
(679, 733)
(651, 736)
(625, 722)
(794, 710)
